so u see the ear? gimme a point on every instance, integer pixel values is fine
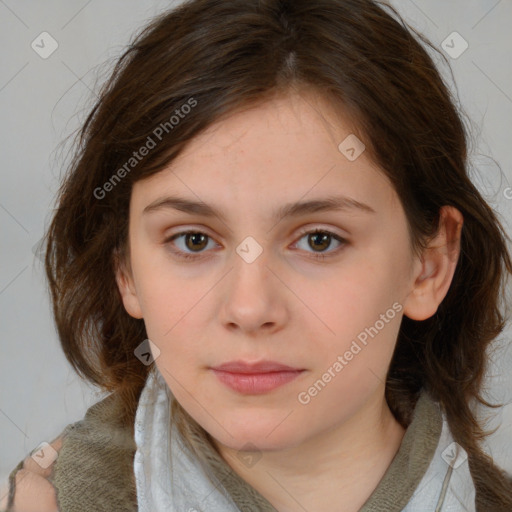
(126, 286)
(434, 271)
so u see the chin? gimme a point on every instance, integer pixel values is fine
(246, 438)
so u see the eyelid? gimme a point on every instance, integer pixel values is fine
(311, 228)
(185, 230)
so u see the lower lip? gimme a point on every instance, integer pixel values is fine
(255, 383)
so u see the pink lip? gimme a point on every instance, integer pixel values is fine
(255, 378)
(259, 367)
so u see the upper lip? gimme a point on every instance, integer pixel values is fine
(259, 367)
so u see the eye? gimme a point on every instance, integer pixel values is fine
(322, 239)
(194, 241)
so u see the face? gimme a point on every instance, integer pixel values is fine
(247, 284)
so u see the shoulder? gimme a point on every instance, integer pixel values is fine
(98, 450)
(30, 483)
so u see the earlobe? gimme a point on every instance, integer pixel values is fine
(436, 268)
(126, 286)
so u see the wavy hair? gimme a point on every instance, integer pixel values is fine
(226, 55)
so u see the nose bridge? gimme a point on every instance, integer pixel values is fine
(250, 272)
(252, 299)
(250, 250)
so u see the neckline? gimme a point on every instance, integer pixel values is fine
(395, 488)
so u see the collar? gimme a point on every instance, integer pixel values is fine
(429, 468)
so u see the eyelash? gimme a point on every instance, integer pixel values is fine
(315, 255)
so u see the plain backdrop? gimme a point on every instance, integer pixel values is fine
(43, 100)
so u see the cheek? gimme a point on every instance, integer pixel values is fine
(358, 312)
(175, 310)
(167, 293)
(353, 297)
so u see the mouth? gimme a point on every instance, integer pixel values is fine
(255, 378)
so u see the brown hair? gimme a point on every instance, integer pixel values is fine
(226, 55)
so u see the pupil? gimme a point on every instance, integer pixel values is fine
(321, 238)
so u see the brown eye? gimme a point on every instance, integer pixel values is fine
(319, 240)
(188, 244)
(196, 241)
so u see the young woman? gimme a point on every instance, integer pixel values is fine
(269, 250)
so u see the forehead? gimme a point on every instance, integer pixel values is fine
(281, 122)
(274, 152)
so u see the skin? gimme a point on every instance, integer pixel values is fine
(33, 490)
(286, 305)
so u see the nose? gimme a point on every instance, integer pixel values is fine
(253, 298)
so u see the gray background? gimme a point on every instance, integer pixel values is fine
(44, 100)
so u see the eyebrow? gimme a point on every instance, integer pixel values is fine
(332, 203)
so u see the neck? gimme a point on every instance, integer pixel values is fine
(345, 463)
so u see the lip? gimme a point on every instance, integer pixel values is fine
(257, 367)
(255, 378)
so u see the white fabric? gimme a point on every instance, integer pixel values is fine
(190, 490)
(182, 487)
(460, 491)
